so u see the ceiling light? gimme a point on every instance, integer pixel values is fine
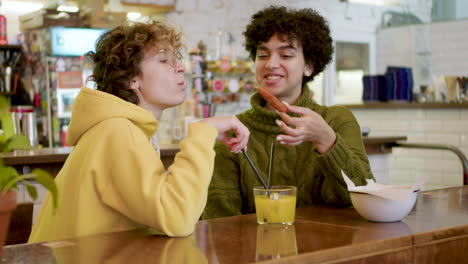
(133, 15)
(375, 2)
(67, 8)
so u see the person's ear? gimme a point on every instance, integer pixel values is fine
(134, 84)
(308, 70)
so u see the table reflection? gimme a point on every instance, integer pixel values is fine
(128, 249)
(275, 241)
(436, 230)
(379, 231)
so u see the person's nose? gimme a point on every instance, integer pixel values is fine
(180, 67)
(273, 62)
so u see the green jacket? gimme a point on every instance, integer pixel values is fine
(317, 177)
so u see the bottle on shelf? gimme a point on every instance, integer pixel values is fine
(3, 30)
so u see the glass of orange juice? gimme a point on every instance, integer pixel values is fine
(276, 205)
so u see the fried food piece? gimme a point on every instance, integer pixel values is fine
(271, 99)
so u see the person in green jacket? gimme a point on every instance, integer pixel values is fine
(114, 179)
(313, 143)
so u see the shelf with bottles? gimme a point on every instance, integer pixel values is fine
(215, 91)
(230, 67)
(10, 47)
(10, 56)
(225, 69)
(200, 67)
(218, 94)
(218, 83)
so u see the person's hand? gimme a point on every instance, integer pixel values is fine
(231, 131)
(309, 126)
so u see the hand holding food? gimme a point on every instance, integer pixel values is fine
(309, 126)
(271, 99)
(232, 132)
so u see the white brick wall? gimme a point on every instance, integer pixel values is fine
(449, 43)
(444, 126)
(203, 19)
(430, 49)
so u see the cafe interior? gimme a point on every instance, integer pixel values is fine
(415, 131)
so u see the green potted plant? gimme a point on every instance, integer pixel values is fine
(9, 177)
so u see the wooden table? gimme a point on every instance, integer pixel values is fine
(436, 231)
(380, 145)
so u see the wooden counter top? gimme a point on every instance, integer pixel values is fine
(52, 159)
(436, 231)
(380, 145)
(57, 155)
(45, 155)
(374, 145)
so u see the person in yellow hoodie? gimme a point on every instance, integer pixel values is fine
(114, 179)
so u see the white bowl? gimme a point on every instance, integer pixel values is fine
(378, 209)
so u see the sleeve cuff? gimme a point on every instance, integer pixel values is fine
(337, 156)
(200, 130)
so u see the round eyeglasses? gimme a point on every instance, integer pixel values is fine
(170, 57)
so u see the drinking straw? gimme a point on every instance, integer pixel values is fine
(270, 163)
(255, 169)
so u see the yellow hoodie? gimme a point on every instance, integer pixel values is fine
(114, 180)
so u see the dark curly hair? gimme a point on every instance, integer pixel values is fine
(120, 51)
(306, 26)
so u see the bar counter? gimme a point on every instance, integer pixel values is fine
(52, 159)
(436, 231)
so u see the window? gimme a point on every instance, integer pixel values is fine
(351, 64)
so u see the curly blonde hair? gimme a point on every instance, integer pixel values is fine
(119, 53)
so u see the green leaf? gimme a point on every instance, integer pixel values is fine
(4, 105)
(19, 142)
(3, 143)
(31, 190)
(8, 179)
(7, 125)
(47, 181)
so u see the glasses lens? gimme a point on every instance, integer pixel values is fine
(175, 58)
(172, 57)
(179, 56)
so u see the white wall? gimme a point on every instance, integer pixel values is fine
(439, 48)
(12, 10)
(437, 126)
(431, 49)
(449, 47)
(203, 19)
(206, 19)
